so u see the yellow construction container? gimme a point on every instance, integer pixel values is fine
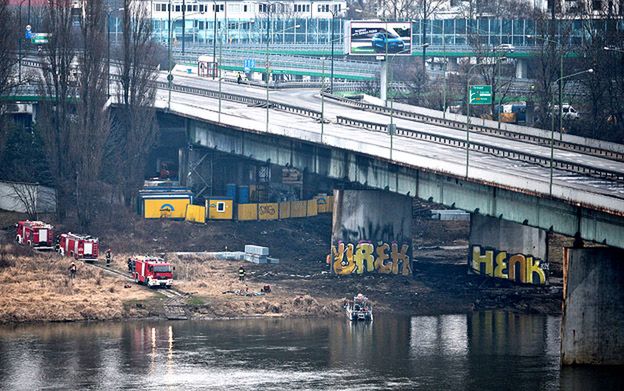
(220, 208)
(312, 209)
(298, 208)
(268, 211)
(284, 210)
(247, 212)
(165, 208)
(195, 213)
(322, 204)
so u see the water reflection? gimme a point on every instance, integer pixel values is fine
(483, 350)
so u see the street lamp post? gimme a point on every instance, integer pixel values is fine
(323, 98)
(169, 75)
(552, 131)
(214, 37)
(469, 78)
(560, 85)
(267, 65)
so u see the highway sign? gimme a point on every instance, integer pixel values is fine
(480, 95)
(249, 64)
(39, 38)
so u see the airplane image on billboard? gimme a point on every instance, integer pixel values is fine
(379, 38)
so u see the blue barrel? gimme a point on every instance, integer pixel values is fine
(230, 191)
(243, 194)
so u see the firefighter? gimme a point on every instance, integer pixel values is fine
(109, 257)
(241, 273)
(72, 270)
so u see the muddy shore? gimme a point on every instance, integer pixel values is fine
(36, 286)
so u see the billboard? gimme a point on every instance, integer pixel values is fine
(379, 38)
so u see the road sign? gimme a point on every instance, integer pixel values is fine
(249, 64)
(28, 34)
(170, 77)
(39, 38)
(480, 95)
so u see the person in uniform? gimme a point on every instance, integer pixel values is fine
(241, 273)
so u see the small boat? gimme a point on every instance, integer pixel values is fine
(360, 308)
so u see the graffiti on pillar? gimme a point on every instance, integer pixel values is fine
(523, 268)
(364, 257)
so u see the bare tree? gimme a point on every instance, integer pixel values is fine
(8, 48)
(56, 112)
(136, 129)
(92, 122)
(26, 195)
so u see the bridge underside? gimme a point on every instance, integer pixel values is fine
(355, 167)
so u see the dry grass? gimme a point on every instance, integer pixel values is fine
(38, 287)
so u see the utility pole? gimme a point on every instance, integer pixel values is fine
(214, 39)
(183, 25)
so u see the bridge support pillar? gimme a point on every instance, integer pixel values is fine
(507, 250)
(521, 68)
(371, 233)
(383, 81)
(452, 65)
(592, 327)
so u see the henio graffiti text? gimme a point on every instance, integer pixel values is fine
(500, 264)
(365, 257)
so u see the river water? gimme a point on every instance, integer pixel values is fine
(479, 351)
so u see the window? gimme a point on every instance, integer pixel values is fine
(220, 206)
(234, 8)
(219, 8)
(245, 8)
(177, 8)
(156, 7)
(201, 8)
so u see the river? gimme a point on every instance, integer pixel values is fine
(479, 351)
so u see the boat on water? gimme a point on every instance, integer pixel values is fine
(359, 309)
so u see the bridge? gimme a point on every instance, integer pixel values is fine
(502, 175)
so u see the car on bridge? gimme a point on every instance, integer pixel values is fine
(387, 42)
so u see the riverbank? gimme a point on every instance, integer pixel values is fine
(36, 286)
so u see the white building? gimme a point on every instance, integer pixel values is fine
(245, 9)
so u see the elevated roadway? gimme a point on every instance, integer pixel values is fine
(507, 177)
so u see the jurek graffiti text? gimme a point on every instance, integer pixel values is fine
(365, 257)
(500, 264)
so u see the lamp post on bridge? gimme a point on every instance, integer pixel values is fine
(267, 64)
(468, 100)
(552, 129)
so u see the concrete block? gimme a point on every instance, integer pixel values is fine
(273, 261)
(255, 258)
(259, 250)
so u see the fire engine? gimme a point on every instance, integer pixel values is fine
(82, 247)
(151, 271)
(36, 234)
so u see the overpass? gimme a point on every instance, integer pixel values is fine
(509, 174)
(496, 175)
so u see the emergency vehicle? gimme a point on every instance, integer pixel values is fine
(37, 234)
(82, 247)
(152, 271)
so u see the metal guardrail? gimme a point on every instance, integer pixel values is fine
(487, 148)
(240, 99)
(503, 133)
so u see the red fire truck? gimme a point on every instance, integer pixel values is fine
(36, 234)
(82, 247)
(151, 271)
